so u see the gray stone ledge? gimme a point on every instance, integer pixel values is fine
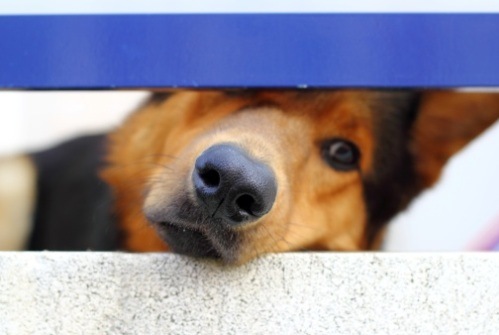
(308, 293)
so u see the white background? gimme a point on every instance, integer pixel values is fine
(445, 218)
(246, 6)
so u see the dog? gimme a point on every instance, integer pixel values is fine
(234, 174)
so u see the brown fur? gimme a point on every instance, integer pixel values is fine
(448, 121)
(152, 155)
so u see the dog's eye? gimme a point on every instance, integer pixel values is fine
(340, 154)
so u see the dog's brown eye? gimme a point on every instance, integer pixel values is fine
(340, 154)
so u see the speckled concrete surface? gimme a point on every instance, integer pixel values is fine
(313, 293)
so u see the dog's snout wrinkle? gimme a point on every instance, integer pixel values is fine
(233, 186)
(216, 209)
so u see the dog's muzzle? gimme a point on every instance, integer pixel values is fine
(232, 186)
(230, 190)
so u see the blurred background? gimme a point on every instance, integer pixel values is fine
(458, 214)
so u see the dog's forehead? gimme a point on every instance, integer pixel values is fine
(377, 116)
(305, 98)
(318, 100)
(378, 109)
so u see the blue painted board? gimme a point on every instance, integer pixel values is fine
(249, 50)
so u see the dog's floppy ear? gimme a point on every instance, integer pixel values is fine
(445, 123)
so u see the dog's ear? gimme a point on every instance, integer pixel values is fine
(445, 123)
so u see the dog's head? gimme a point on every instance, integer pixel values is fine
(232, 175)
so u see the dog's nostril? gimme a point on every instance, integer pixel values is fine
(210, 177)
(245, 202)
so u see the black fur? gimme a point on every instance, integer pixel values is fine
(393, 181)
(158, 98)
(74, 206)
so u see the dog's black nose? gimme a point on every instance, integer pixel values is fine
(233, 186)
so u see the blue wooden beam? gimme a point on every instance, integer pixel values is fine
(249, 50)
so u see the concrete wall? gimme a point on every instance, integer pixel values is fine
(308, 293)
